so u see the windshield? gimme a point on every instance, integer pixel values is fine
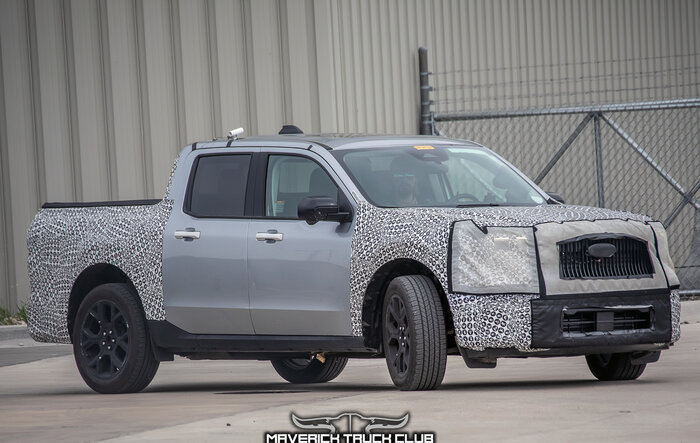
(436, 176)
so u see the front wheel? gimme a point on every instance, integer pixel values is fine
(309, 370)
(413, 333)
(609, 367)
(111, 344)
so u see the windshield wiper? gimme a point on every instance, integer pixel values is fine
(476, 205)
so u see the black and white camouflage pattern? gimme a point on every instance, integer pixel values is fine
(422, 234)
(675, 316)
(63, 242)
(492, 321)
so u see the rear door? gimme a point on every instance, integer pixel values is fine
(299, 274)
(205, 279)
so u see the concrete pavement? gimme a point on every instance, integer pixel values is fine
(17, 347)
(520, 400)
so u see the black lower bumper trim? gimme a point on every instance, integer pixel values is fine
(601, 321)
(493, 354)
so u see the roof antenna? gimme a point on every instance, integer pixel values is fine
(234, 133)
(290, 129)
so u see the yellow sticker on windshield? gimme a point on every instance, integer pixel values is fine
(422, 147)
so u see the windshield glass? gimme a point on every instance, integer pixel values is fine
(431, 176)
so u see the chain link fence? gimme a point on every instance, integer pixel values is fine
(641, 157)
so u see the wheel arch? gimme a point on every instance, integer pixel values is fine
(90, 278)
(374, 299)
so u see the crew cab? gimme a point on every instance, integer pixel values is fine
(309, 250)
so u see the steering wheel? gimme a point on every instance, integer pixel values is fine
(463, 197)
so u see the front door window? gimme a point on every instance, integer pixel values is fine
(290, 179)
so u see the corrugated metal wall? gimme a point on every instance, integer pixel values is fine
(521, 54)
(97, 97)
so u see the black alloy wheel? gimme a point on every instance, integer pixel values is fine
(111, 343)
(104, 339)
(398, 336)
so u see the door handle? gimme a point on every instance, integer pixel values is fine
(187, 234)
(271, 236)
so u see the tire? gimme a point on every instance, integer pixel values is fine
(413, 333)
(111, 343)
(609, 367)
(309, 370)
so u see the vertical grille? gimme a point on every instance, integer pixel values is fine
(630, 260)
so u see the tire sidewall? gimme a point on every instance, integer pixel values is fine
(107, 293)
(312, 368)
(313, 372)
(618, 367)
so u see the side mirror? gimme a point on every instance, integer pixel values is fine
(556, 197)
(316, 209)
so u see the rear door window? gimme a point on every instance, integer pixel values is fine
(218, 187)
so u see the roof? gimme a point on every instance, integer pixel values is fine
(337, 141)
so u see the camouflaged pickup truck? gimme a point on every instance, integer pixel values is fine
(309, 250)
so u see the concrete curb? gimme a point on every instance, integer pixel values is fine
(14, 332)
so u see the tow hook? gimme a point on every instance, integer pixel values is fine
(320, 357)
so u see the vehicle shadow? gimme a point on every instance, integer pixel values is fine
(266, 388)
(521, 385)
(340, 387)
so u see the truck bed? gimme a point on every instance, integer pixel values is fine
(55, 205)
(67, 239)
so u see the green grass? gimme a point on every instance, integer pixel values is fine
(21, 313)
(7, 318)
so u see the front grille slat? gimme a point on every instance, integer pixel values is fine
(631, 259)
(619, 265)
(586, 321)
(638, 260)
(624, 258)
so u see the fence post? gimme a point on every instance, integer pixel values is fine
(426, 124)
(598, 159)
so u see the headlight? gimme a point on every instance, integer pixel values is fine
(664, 256)
(501, 261)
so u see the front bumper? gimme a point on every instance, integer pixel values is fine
(529, 324)
(604, 320)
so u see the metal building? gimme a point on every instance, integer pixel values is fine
(97, 96)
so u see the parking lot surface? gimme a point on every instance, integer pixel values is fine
(521, 400)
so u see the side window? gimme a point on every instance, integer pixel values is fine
(290, 179)
(219, 186)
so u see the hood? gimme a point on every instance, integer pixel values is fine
(524, 215)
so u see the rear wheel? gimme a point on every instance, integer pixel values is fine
(413, 333)
(309, 370)
(111, 344)
(608, 367)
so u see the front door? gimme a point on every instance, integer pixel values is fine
(299, 274)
